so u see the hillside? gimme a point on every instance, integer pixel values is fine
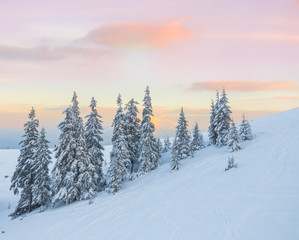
(258, 200)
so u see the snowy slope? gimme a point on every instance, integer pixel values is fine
(258, 200)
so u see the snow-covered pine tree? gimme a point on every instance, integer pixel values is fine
(157, 150)
(167, 145)
(202, 144)
(231, 163)
(175, 158)
(41, 187)
(75, 175)
(191, 150)
(93, 139)
(115, 176)
(118, 169)
(120, 164)
(233, 138)
(197, 139)
(24, 175)
(63, 179)
(149, 157)
(160, 146)
(182, 137)
(88, 176)
(245, 132)
(212, 132)
(132, 132)
(222, 120)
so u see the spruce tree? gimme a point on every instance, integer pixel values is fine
(197, 139)
(175, 158)
(115, 176)
(24, 176)
(167, 145)
(120, 164)
(182, 137)
(88, 176)
(149, 157)
(93, 139)
(75, 175)
(212, 132)
(132, 132)
(245, 132)
(231, 163)
(118, 170)
(233, 139)
(191, 150)
(41, 188)
(160, 147)
(222, 120)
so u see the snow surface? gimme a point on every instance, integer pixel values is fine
(257, 200)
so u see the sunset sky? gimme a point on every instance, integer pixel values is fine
(184, 50)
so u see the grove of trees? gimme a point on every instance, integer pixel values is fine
(78, 169)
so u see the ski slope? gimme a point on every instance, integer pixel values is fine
(258, 200)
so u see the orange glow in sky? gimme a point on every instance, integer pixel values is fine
(184, 50)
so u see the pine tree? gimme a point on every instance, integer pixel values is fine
(175, 158)
(197, 139)
(182, 137)
(120, 163)
(222, 120)
(245, 132)
(132, 132)
(233, 139)
(93, 139)
(149, 157)
(191, 150)
(231, 163)
(88, 175)
(75, 175)
(212, 132)
(160, 146)
(115, 176)
(118, 169)
(41, 188)
(167, 145)
(24, 175)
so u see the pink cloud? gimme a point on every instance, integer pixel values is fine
(244, 86)
(132, 35)
(296, 3)
(274, 36)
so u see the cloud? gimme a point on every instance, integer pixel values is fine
(274, 36)
(48, 53)
(244, 86)
(136, 35)
(271, 36)
(35, 53)
(124, 35)
(296, 3)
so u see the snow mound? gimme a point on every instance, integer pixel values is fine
(257, 200)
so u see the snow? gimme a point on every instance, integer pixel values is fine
(257, 200)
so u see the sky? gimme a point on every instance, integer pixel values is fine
(184, 50)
